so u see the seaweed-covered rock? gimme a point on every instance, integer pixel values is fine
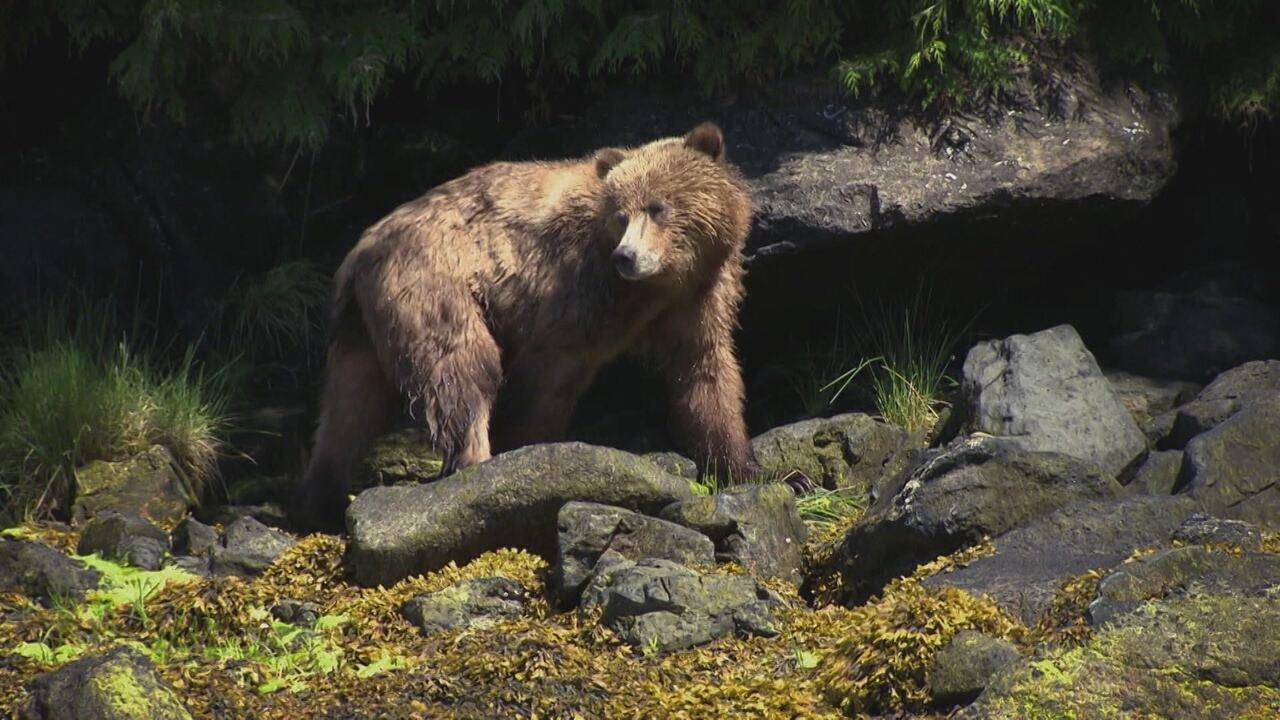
(1234, 469)
(149, 484)
(1205, 529)
(472, 602)
(1179, 570)
(247, 547)
(974, 488)
(42, 573)
(588, 530)
(400, 457)
(1046, 392)
(1229, 393)
(1158, 474)
(511, 500)
(1031, 562)
(964, 666)
(119, 685)
(845, 451)
(658, 604)
(1201, 656)
(124, 536)
(756, 526)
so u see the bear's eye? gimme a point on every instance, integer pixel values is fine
(656, 210)
(621, 217)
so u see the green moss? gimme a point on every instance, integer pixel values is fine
(125, 695)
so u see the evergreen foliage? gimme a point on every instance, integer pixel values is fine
(285, 70)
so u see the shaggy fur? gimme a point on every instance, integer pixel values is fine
(525, 279)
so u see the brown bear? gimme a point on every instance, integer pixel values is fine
(523, 280)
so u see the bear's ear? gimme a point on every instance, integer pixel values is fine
(606, 159)
(706, 139)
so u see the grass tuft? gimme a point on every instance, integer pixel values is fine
(278, 309)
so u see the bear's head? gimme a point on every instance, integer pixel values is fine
(675, 207)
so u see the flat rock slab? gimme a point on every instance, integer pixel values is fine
(974, 488)
(589, 530)
(664, 606)
(845, 451)
(756, 526)
(1031, 562)
(42, 573)
(473, 602)
(509, 501)
(120, 685)
(1046, 391)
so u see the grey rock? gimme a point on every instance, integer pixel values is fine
(1046, 391)
(974, 488)
(247, 547)
(1147, 399)
(1158, 474)
(588, 530)
(1229, 393)
(1202, 529)
(964, 666)
(1031, 562)
(1234, 469)
(472, 602)
(119, 685)
(673, 463)
(192, 537)
(42, 573)
(511, 500)
(658, 604)
(296, 612)
(1178, 571)
(845, 451)
(756, 526)
(124, 536)
(194, 564)
(149, 484)
(1191, 335)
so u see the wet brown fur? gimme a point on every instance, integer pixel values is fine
(502, 280)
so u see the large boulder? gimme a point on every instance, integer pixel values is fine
(756, 526)
(1234, 469)
(658, 605)
(1031, 562)
(845, 451)
(470, 603)
(511, 500)
(588, 530)
(119, 685)
(1229, 393)
(149, 484)
(1047, 392)
(42, 573)
(974, 488)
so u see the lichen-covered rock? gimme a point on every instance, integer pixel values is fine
(588, 530)
(511, 501)
(124, 536)
(42, 573)
(658, 604)
(974, 488)
(964, 666)
(1158, 474)
(1031, 562)
(756, 526)
(400, 457)
(119, 685)
(845, 451)
(1046, 392)
(1202, 529)
(1202, 656)
(673, 463)
(1229, 393)
(472, 602)
(1177, 571)
(149, 484)
(247, 547)
(1234, 469)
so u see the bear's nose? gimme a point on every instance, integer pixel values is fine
(624, 259)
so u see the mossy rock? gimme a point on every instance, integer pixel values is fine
(1189, 657)
(845, 451)
(150, 484)
(120, 685)
(398, 458)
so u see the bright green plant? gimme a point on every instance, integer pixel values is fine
(831, 507)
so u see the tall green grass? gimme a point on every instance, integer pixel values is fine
(277, 310)
(76, 388)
